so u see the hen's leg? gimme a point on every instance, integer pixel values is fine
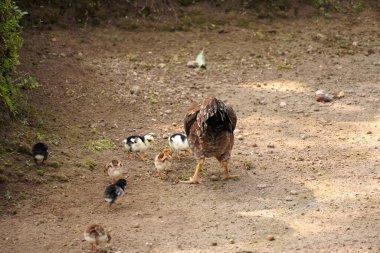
(226, 174)
(196, 178)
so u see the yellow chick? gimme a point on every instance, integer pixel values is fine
(95, 234)
(115, 170)
(163, 163)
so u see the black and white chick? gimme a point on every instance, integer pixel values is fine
(114, 191)
(178, 142)
(40, 153)
(135, 144)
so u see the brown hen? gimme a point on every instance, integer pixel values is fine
(209, 128)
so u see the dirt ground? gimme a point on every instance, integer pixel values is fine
(309, 171)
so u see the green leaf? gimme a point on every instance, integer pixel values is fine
(201, 61)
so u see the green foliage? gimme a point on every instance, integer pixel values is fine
(10, 43)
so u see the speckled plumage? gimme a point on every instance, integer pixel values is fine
(96, 234)
(209, 128)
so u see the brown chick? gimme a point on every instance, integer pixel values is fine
(163, 163)
(95, 235)
(115, 170)
(209, 127)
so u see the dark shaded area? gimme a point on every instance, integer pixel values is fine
(98, 12)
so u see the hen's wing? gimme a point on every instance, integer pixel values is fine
(190, 118)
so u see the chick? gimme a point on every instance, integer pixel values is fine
(40, 153)
(113, 191)
(115, 170)
(178, 142)
(136, 144)
(162, 162)
(95, 234)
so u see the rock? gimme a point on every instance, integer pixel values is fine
(261, 186)
(169, 111)
(240, 137)
(355, 43)
(232, 241)
(161, 65)
(54, 39)
(282, 104)
(192, 64)
(270, 145)
(270, 238)
(288, 198)
(369, 132)
(322, 96)
(135, 90)
(293, 192)
(214, 244)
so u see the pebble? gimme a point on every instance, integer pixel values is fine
(214, 244)
(240, 137)
(161, 65)
(270, 145)
(270, 238)
(322, 96)
(135, 90)
(282, 104)
(232, 241)
(168, 111)
(192, 64)
(261, 186)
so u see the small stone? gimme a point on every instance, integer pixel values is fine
(369, 132)
(80, 54)
(232, 241)
(136, 225)
(174, 124)
(282, 104)
(135, 90)
(310, 178)
(293, 192)
(322, 96)
(240, 137)
(192, 64)
(165, 136)
(214, 244)
(161, 65)
(270, 238)
(169, 111)
(261, 186)
(288, 198)
(54, 39)
(254, 145)
(355, 43)
(270, 145)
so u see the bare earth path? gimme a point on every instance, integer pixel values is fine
(314, 178)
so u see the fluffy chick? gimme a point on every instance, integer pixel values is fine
(115, 170)
(178, 142)
(95, 234)
(114, 191)
(135, 144)
(163, 163)
(40, 153)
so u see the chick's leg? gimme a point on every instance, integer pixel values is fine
(226, 174)
(196, 178)
(93, 246)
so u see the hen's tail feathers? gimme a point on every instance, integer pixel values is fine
(213, 116)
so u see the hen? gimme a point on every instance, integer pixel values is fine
(209, 128)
